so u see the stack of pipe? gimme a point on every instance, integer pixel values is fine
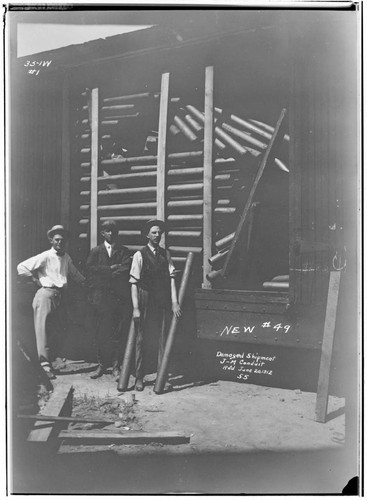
(278, 283)
(254, 136)
(127, 185)
(120, 108)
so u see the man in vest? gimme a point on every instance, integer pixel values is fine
(49, 271)
(109, 297)
(154, 295)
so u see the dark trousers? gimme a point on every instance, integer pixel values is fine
(153, 325)
(109, 322)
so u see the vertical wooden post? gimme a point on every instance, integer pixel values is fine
(94, 168)
(327, 347)
(162, 152)
(65, 154)
(208, 173)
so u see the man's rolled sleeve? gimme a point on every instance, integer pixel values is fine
(27, 267)
(136, 267)
(171, 266)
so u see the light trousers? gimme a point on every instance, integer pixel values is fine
(45, 302)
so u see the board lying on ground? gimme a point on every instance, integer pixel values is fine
(58, 404)
(49, 418)
(130, 437)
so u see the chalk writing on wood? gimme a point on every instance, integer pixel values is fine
(34, 67)
(245, 366)
(243, 329)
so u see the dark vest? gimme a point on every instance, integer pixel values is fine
(155, 276)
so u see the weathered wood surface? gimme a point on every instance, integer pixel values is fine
(51, 418)
(65, 154)
(327, 347)
(162, 150)
(94, 169)
(208, 173)
(128, 437)
(242, 296)
(56, 405)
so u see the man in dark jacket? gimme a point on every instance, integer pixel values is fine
(109, 297)
(154, 295)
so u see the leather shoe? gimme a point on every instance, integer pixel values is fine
(98, 373)
(139, 384)
(50, 374)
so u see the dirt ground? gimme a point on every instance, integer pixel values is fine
(228, 423)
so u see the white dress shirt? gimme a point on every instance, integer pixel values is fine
(108, 248)
(137, 264)
(52, 269)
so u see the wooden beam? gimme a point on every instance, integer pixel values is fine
(270, 149)
(327, 347)
(130, 437)
(55, 406)
(51, 418)
(94, 169)
(162, 151)
(208, 173)
(65, 154)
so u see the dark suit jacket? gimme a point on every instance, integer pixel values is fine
(102, 281)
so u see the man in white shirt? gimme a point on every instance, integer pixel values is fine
(154, 295)
(49, 270)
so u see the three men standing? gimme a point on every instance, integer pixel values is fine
(49, 270)
(152, 295)
(108, 267)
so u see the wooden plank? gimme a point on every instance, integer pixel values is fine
(242, 296)
(94, 169)
(162, 151)
(65, 154)
(56, 405)
(276, 138)
(327, 347)
(51, 418)
(208, 173)
(130, 437)
(221, 305)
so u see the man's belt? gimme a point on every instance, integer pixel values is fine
(54, 287)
